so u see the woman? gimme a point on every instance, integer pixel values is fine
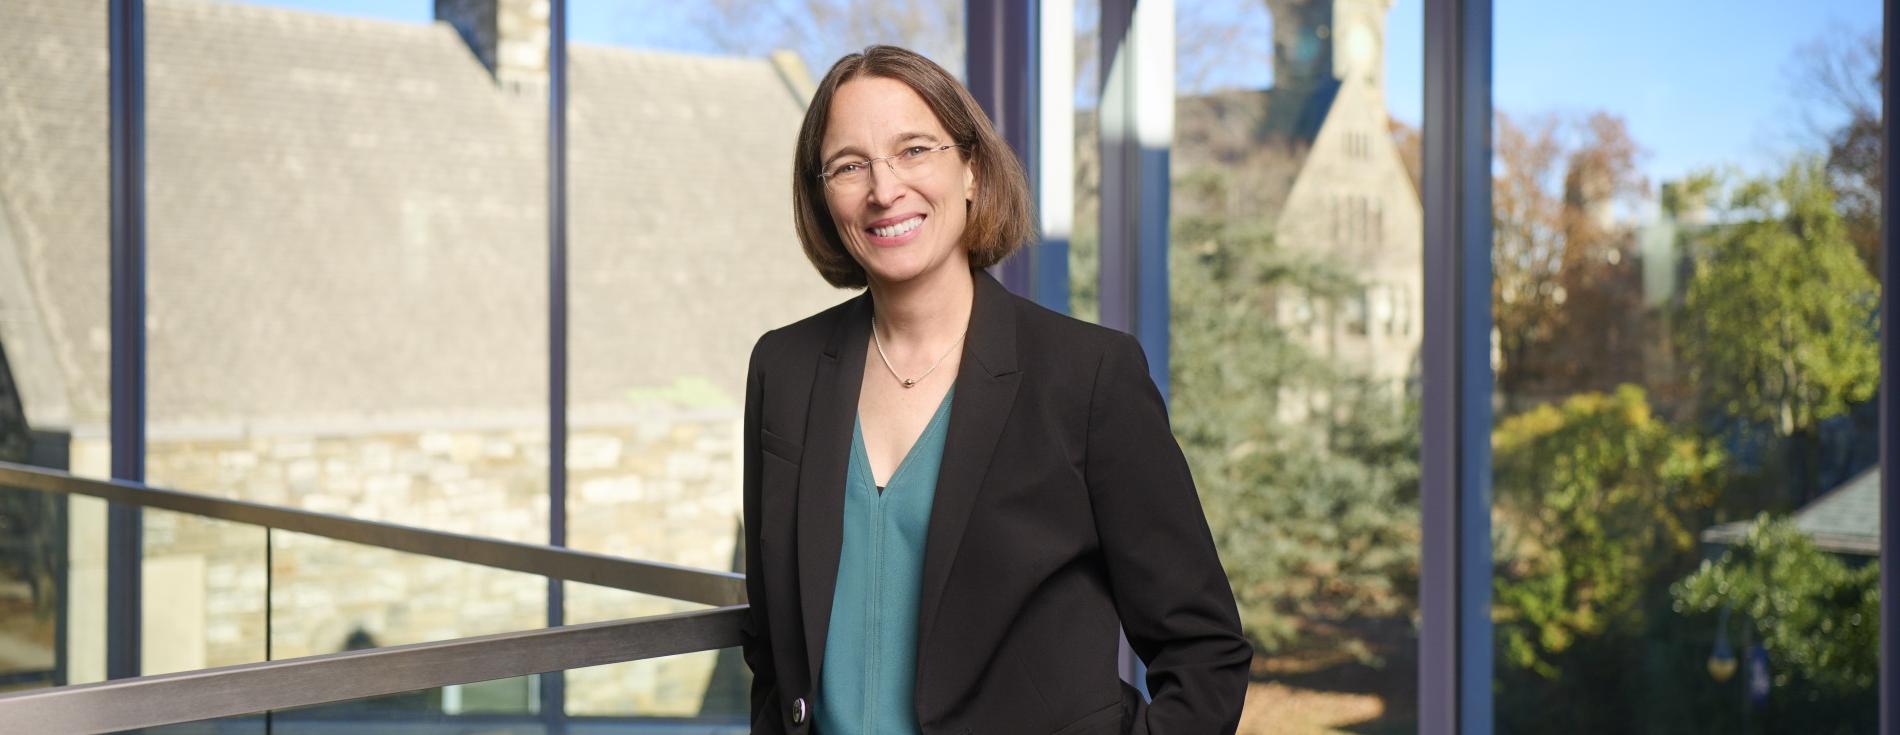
(954, 497)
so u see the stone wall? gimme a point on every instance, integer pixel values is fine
(662, 487)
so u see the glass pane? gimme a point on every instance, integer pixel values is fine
(710, 685)
(1296, 285)
(85, 591)
(348, 310)
(1085, 266)
(683, 253)
(32, 532)
(1685, 454)
(54, 331)
(613, 727)
(329, 596)
(410, 713)
(204, 582)
(817, 33)
(348, 259)
(347, 305)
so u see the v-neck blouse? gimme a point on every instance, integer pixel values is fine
(869, 675)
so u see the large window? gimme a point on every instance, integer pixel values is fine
(348, 309)
(346, 306)
(1295, 286)
(1685, 459)
(54, 345)
(682, 120)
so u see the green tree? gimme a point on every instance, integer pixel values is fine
(1777, 323)
(1818, 618)
(1315, 514)
(1596, 500)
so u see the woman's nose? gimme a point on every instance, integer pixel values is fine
(886, 187)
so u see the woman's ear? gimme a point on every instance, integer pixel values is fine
(969, 182)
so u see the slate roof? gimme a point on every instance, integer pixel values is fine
(348, 217)
(1845, 520)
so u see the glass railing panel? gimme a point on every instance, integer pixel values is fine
(447, 710)
(396, 724)
(204, 585)
(654, 726)
(32, 530)
(709, 685)
(84, 575)
(246, 725)
(329, 596)
(411, 713)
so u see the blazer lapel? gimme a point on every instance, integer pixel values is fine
(986, 388)
(821, 477)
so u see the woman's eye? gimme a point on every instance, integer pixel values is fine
(847, 169)
(915, 151)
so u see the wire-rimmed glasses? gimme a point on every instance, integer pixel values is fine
(855, 174)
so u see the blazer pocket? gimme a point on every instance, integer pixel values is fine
(1105, 720)
(778, 487)
(781, 447)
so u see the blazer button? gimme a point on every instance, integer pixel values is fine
(798, 711)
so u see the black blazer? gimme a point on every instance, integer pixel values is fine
(1063, 509)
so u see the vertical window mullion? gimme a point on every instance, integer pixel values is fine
(1003, 63)
(1137, 132)
(124, 525)
(1455, 653)
(553, 684)
(1889, 398)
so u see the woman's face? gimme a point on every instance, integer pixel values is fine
(899, 222)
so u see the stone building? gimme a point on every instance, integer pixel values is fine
(1315, 155)
(347, 302)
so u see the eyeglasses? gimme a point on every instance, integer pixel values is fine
(852, 175)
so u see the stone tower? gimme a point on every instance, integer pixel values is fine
(510, 37)
(1316, 42)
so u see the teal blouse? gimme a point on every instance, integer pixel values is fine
(870, 669)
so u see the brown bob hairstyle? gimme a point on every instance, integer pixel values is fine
(1000, 218)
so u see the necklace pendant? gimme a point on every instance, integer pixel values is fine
(908, 382)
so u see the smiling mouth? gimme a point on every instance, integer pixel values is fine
(899, 229)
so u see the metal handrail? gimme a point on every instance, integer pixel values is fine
(229, 691)
(647, 577)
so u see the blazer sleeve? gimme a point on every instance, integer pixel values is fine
(1170, 591)
(757, 643)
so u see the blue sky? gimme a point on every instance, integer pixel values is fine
(1701, 82)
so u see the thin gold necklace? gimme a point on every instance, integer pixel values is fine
(908, 382)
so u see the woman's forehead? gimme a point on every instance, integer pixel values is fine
(877, 111)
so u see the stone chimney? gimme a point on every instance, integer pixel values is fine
(510, 37)
(797, 77)
(1302, 44)
(1320, 41)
